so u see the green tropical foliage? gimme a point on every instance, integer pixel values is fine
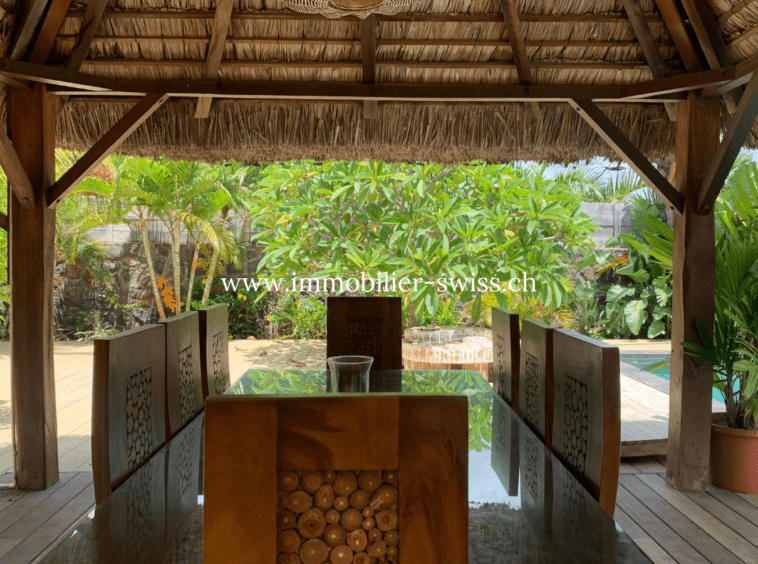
(426, 221)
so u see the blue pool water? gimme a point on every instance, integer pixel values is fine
(648, 362)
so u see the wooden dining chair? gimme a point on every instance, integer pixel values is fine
(366, 326)
(587, 412)
(184, 388)
(128, 404)
(506, 353)
(214, 349)
(536, 378)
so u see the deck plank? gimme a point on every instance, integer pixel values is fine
(33, 520)
(60, 524)
(696, 537)
(752, 499)
(647, 465)
(660, 532)
(710, 524)
(727, 516)
(655, 552)
(736, 503)
(29, 501)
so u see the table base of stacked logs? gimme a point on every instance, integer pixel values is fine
(337, 516)
(337, 478)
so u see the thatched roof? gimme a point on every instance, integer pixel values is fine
(568, 42)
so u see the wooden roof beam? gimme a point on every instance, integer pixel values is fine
(520, 57)
(32, 16)
(17, 178)
(104, 147)
(221, 21)
(680, 33)
(669, 89)
(739, 128)
(90, 22)
(711, 40)
(559, 18)
(648, 45)
(628, 151)
(56, 14)
(368, 60)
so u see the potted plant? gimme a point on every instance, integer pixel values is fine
(733, 352)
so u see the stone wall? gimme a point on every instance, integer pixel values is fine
(83, 304)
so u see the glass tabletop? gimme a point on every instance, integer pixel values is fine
(524, 506)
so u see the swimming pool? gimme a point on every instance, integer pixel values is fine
(648, 362)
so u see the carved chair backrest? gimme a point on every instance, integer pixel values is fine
(506, 352)
(536, 377)
(366, 326)
(214, 349)
(587, 412)
(184, 389)
(128, 404)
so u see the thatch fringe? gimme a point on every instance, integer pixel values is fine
(263, 131)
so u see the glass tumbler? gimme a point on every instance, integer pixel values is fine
(349, 373)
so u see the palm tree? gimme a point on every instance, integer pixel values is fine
(235, 177)
(184, 194)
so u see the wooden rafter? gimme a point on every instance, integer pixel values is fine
(17, 177)
(679, 31)
(56, 14)
(8, 81)
(559, 18)
(32, 16)
(711, 41)
(368, 59)
(91, 20)
(628, 151)
(221, 22)
(742, 122)
(357, 64)
(71, 82)
(104, 147)
(520, 57)
(381, 42)
(648, 45)
(654, 91)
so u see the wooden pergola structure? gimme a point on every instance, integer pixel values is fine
(447, 80)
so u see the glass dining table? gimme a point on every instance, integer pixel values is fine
(524, 505)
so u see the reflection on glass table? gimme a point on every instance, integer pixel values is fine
(524, 506)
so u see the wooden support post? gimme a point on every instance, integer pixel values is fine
(31, 119)
(687, 465)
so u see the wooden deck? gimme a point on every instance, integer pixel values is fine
(644, 419)
(645, 412)
(31, 522)
(671, 526)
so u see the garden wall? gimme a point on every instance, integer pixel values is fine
(83, 304)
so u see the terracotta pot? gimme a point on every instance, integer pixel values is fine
(734, 459)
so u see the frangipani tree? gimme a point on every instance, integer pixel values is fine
(425, 221)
